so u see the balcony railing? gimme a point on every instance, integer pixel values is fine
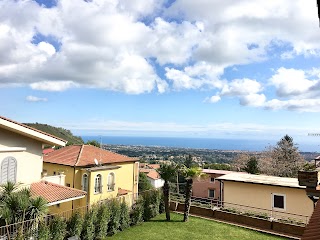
(111, 187)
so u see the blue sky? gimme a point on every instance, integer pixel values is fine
(184, 68)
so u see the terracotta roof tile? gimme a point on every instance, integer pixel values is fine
(54, 192)
(84, 155)
(153, 174)
(122, 191)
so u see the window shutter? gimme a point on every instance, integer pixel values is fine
(8, 170)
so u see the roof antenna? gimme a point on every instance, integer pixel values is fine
(100, 147)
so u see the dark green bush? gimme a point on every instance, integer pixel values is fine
(114, 223)
(161, 203)
(151, 204)
(124, 216)
(43, 231)
(74, 225)
(137, 212)
(103, 218)
(58, 228)
(88, 228)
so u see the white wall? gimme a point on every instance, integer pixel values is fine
(29, 162)
(156, 183)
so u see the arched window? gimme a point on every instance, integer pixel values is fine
(85, 182)
(9, 170)
(111, 182)
(98, 184)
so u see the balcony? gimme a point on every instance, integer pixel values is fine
(111, 187)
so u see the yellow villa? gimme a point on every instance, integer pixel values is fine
(101, 173)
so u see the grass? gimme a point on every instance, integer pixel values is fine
(196, 228)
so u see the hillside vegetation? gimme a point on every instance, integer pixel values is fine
(58, 132)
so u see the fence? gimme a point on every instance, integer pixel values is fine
(262, 213)
(29, 228)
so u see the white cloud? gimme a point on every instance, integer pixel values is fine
(253, 100)
(239, 87)
(213, 99)
(52, 86)
(301, 105)
(36, 99)
(291, 82)
(118, 46)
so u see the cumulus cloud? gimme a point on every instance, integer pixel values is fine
(52, 86)
(144, 46)
(31, 98)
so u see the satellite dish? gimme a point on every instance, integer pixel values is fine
(96, 162)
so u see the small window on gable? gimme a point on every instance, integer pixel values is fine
(9, 170)
(279, 201)
(212, 179)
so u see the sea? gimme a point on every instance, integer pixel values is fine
(199, 143)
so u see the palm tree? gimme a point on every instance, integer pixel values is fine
(17, 205)
(167, 173)
(189, 174)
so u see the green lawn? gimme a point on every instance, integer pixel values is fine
(196, 228)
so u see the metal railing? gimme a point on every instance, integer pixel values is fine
(29, 228)
(270, 214)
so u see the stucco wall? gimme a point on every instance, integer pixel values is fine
(124, 178)
(157, 183)
(201, 187)
(29, 162)
(260, 196)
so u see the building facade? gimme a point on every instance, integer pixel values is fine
(208, 187)
(101, 173)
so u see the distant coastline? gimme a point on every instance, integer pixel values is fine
(199, 143)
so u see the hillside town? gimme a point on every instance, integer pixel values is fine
(159, 119)
(65, 183)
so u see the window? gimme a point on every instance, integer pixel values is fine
(9, 170)
(279, 201)
(111, 182)
(85, 182)
(97, 184)
(210, 193)
(212, 179)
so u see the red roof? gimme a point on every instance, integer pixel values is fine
(54, 192)
(151, 173)
(122, 191)
(47, 150)
(84, 155)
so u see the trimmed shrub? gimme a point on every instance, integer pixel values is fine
(103, 217)
(88, 228)
(114, 223)
(151, 204)
(124, 216)
(74, 225)
(137, 212)
(43, 231)
(58, 228)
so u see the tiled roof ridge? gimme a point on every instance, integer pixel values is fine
(79, 156)
(31, 128)
(88, 145)
(62, 186)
